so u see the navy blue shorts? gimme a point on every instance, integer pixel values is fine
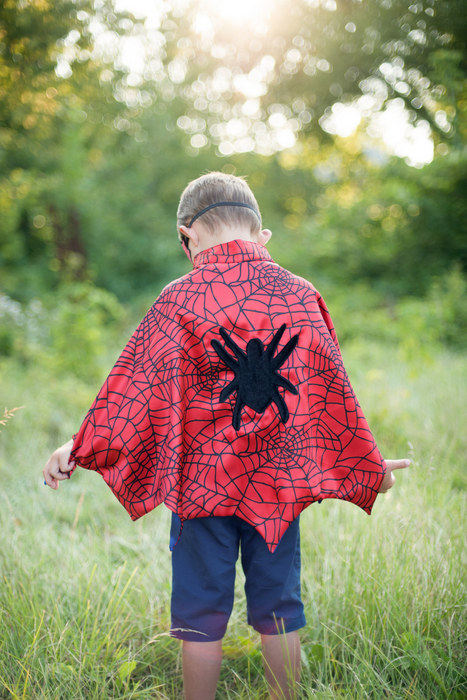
(203, 577)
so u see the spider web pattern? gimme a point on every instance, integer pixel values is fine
(157, 431)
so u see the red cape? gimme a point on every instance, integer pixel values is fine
(214, 408)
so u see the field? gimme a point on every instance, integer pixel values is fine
(85, 592)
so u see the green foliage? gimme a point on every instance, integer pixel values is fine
(418, 326)
(394, 227)
(52, 120)
(79, 329)
(92, 167)
(442, 317)
(22, 329)
(72, 334)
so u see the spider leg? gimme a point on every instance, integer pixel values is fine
(225, 357)
(271, 349)
(232, 345)
(237, 413)
(229, 389)
(281, 405)
(282, 381)
(284, 353)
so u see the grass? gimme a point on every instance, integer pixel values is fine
(85, 593)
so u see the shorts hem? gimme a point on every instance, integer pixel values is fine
(291, 626)
(187, 635)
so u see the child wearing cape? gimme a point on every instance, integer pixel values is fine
(231, 405)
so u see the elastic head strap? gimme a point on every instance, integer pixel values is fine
(223, 204)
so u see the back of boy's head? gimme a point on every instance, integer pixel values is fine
(218, 187)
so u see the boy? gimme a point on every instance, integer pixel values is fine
(231, 405)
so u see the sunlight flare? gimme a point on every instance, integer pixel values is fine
(239, 11)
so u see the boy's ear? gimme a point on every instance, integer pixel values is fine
(191, 234)
(264, 236)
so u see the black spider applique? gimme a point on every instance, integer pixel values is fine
(256, 376)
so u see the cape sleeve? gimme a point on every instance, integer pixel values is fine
(115, 437)
(352, 466)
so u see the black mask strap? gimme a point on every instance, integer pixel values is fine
(223, 204)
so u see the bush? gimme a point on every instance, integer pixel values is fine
(80, 327)
(417, 325)
(70, 334)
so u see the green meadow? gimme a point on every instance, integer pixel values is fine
(85, 592)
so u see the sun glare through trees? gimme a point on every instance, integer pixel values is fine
(240, 11)
(249, 46)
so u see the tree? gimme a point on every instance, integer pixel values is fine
(94, 152)
(44, 104)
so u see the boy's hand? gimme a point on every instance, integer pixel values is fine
(57, 468)
(389, 478)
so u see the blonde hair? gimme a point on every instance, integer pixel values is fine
(218, 187)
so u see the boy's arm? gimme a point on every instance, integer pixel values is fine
(57, 468)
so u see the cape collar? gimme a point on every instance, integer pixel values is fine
(232, 252)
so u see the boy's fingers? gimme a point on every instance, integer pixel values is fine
(49, 479)
(56, 470)
(392, 464)
(60, 476)
(63, 462)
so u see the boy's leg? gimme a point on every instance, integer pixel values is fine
(281, 660)
(275, 608)
(201, 662)
(203, 567)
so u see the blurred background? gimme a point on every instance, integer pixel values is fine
(348, 118)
